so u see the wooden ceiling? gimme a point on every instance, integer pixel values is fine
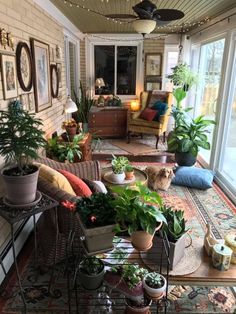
(89, 22)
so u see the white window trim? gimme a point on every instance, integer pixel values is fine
(134, 41)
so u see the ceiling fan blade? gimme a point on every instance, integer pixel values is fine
(144, 8)
(167, 15)
(121, 16)
(143, 14)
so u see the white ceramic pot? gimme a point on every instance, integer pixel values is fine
(118, 177)
(154, 294)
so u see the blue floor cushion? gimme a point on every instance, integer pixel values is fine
(193, 177)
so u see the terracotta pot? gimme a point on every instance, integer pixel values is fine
(71, 132)
(142, 240)
(129, 175)
(20, 190)
(137, 310)
(154, 294)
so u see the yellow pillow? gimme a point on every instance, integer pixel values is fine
(56, 178)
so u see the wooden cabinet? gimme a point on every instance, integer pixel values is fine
(108, 122)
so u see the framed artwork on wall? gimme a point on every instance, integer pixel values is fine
(8, 67)
(24, 66)
(150, 86)
(24, 101)
(40, 51)
(153, 64)
(31, 103)
(54, 80)
(59, 68)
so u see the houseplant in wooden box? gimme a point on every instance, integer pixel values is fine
(136, 213)
(97, 220)
(20, 138)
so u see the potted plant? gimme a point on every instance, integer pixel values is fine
(154, 285)
(118, 167)
(187, 137)
(138, 307)
(175, 230)
(97, 221)
(136, 213)
(129, 172)
(71, 128)
(84, 104)
(183, 77)
(91, 272)
(64, 151)
(20, 138)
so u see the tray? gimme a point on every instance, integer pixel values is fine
(108, 177)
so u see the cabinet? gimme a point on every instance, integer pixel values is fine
(108, 122)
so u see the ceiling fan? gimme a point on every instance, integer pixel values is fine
(148, 15)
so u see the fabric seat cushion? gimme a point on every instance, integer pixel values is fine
(142, 122)
(78, 185)
(55, 178)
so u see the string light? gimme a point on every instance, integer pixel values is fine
(158, 37)
(184, 27)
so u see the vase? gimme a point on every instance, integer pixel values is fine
(118, 177)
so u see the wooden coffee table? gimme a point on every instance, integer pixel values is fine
(140, 176)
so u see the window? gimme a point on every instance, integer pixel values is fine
(115, 69)
(171, 55)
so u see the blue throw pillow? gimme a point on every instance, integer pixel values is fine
(161, 108)
(193, 177)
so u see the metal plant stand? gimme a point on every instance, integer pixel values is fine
(16, 214)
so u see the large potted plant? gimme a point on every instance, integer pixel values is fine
(175, 230)
(136, 213)
(91, 272)
(154, 285)
(186, 139)
(84, 104)
(20, 138)
(97, 221)
(118, 167)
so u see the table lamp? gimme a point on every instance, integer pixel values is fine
(99, 82)
(134, 105)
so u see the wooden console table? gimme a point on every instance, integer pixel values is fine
(108, 121)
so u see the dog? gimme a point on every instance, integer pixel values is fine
(159, 178)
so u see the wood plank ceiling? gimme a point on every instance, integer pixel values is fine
(89, 22)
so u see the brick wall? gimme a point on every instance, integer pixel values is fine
(25, 19)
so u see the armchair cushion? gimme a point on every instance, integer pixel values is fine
(161, 108)
(148, 114)
(55, 178)
(79, 186)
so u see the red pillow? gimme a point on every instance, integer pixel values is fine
(79, 187)
(148, 114)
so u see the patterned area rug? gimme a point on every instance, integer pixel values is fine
(210, 206)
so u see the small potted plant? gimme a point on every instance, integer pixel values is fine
(136, 213)
(129, 172)
(118, 167)
(71, 128)
(91, 272)
(138, 307)
(97, 221)
(154, 285)
(20, 138)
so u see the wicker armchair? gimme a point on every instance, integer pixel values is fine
(54, 226)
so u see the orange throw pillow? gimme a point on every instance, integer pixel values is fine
(79, 187)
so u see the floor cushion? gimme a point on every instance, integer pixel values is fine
(55, 178)
(78, 185)
(193, 177)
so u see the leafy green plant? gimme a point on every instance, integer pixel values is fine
(96, 210)
(20, 137)
(176, 224)
(135, 210)
(189, 135)
(129, 168)
(132, 274)
(119, 163)
(154, 280)
(183, 76)
(64, 151)
(91, 265)
(84, 104)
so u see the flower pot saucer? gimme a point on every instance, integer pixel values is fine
(108, 177)
(23, 206)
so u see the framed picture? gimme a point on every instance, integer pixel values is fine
(8, 63)
(42, 92)
(24, 66)
(24, 101)
(31, 104)
(54, 80)
(59, 68)
(153, 64)
(150, 86)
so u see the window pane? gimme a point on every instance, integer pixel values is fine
(210, 75)
(72, 63)
(104, 69)
(126, 70)
(172, 60)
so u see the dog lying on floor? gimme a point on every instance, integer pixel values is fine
(159, 178)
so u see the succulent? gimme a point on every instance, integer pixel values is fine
(119, 163)
(129, 168)
(91, 265)
(154, 280)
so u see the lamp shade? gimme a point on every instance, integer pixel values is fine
(70, 105)
(99, 82)
(144, 26)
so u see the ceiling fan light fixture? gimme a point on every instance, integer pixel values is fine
(143, 26)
